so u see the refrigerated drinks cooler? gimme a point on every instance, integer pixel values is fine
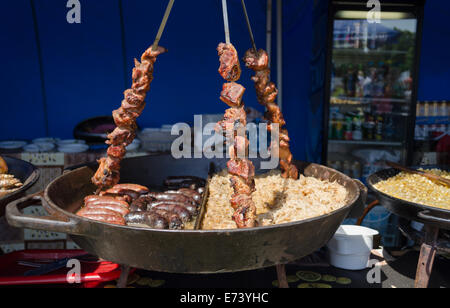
(371, 86)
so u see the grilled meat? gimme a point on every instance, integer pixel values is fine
(229, 69)
(266, 93)
(108, 173)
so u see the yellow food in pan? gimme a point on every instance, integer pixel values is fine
(418, 189)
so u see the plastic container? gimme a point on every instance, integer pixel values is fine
(350, 247)
(92, 273)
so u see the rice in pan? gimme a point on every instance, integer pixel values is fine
(277, 200)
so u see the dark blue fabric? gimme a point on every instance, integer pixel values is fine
(85, 75)
(22, 111)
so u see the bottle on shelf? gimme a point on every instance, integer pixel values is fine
(379, 128)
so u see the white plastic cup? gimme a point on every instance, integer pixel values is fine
(350, 247)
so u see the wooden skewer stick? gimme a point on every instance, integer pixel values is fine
(249, 26)
(428, 175)
(225, 22)
(163, 24)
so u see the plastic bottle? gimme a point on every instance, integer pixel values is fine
(379, 128)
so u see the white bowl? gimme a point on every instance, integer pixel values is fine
(12, 145)
(71, 141)
(45, 140)
(351, 246)
(73, 148)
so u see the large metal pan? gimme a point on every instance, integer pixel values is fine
(27, 173)
(413, 211)
(195, 251)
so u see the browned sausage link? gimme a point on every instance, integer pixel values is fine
(191, 193)
(192, 209)
(193, 199)
(184, 182)
(112, 219)
(172, 197)
(96, 211)
(113, 207)
(141, 203)
(122, 192)
(133, 187)
(149, 219)
(173, 219)
(125, 198)
(104, 199)
(179, 210)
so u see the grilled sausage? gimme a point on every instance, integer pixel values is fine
(182, 212)
(176, 182)
(192, 209)
(133, 195)
(149, 219)
(93, 200)
(112, 219)
(173, 219)
(125, 198)
(113, 207)
(132, 187)
(191, 193)
(141, 203)
(96, 211)
(176, 197)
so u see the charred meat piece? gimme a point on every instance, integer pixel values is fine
(141, 204)
(241, 167)
(233, 117)
(241, 186)
(230, 68)
(232, 94)
(150, 219)
(245, 215)
(239, 200)
(172, 219)
(256, 61)
(182, 212)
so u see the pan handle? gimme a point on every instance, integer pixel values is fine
(54, 223)
(360, 204)
(425, 215)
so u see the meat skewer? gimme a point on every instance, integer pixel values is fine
(266, 93)
(108, 172)
(233, 125)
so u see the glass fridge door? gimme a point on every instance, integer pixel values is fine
(372, 67)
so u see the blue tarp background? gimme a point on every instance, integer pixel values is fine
(55, 74)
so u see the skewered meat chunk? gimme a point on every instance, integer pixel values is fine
(232, 94)
(108, 173)
(229, 69)
(266, 92)
(242, 168)
(235, 119)
(256, 61)
(245, 215)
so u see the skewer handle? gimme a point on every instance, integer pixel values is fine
(163, 24)
(225, 21)
(249, 26)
